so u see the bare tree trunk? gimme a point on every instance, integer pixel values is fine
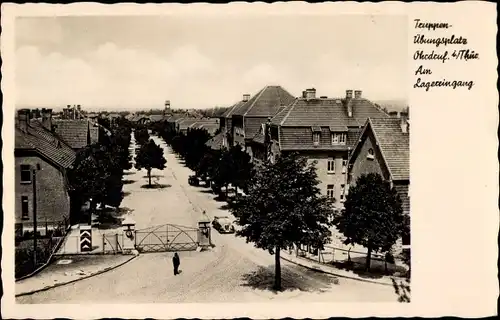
(149, 176)
(368, 258)
(277, 272)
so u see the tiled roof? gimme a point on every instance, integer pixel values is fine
(156, 117)
(216, 142)
(73, 132)
(265, 103)
(326, 113)
(353, 136)
(186, 123)
(43, 141)
(229, 112)
(259, 138)
(394, 145)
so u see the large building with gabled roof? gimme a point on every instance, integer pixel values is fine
(41, 150)
(323, 129)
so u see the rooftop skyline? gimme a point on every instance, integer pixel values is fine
(205, 61)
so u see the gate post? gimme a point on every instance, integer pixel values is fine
(129, 239)
(204, 239)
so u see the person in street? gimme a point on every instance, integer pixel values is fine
(177, 262)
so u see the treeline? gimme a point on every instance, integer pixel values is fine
(96, 177)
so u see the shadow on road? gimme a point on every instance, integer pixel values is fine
(125, 193)
(154, 176)
(127, 173)
(291, 279)
(402, 290)
(128, 181)
(156, 186)
(111, 218)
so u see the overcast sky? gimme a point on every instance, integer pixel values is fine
(197, 62)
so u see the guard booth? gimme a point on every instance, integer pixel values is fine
(204, 239)
(129, 235)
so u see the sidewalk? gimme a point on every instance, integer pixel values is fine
(308, 263)
(64, 270)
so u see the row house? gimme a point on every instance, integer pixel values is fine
(211, 125)
(77, 133)
(322, 129)
(42, 159)
(240, 123)
(384, 148)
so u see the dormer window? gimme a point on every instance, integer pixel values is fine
(339, 138)
(316, 138)
(316, 131)
(371, 154)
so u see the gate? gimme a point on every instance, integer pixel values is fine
(112, 243)
(167, 237)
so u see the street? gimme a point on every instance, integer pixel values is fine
(233, 271)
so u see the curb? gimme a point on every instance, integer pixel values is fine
(336, 274)
(75, 280)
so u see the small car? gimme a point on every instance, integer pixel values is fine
(194, 181)
(223, 224)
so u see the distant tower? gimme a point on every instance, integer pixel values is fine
(167, 107)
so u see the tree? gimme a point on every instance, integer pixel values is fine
(242, 167)
(284, 207)
(150, 156)
(372, 215)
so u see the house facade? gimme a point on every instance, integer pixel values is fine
(384, 148)
(41, 162)
(323, 129)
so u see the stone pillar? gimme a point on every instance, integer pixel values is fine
(204, 239)
(128, 226)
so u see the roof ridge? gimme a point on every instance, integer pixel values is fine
(256, 98)
(292, 105)
(377, 143)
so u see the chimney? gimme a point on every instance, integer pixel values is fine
(348, 94)
(47, 118)
(304, 94)
(311, 94)
(404, 124)
(22, 118)
(167, 104)
(246, 97)
(358, 94)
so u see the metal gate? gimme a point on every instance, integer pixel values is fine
(167, 237)
(112, 243)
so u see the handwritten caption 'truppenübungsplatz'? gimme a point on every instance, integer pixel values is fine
(441, 48)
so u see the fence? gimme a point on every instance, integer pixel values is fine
(29, 260)
(111, 243)
(347, 258)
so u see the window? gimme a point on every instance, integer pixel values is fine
(342, 189)
(344, 166)
(339, 138)
(330, 190)
(370, 155)
(25, 173)
(24, 207)
(315, 138)
(331, 166)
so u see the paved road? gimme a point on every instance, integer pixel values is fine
(233, 271)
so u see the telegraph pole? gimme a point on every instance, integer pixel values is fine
(35, 236)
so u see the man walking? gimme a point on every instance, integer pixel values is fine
(176, 261)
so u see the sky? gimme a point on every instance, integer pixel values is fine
(132, 62)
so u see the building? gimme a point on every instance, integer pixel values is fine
(42, 159)
(384, 148)
(211, 125)
(77, 133)
(322, 129)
